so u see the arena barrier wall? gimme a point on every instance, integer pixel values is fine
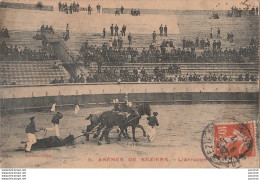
(18, 99)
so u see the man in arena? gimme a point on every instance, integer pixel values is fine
(30, 130)
(55, 122)
(76, 107)
(126, 107)
(152, 122)
(116, 105)
(94, 122)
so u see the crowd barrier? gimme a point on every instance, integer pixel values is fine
(16, 99)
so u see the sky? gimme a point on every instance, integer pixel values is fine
(156, 4)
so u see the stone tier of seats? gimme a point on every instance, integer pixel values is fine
(31, 72)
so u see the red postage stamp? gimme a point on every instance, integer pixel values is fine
(235, 140)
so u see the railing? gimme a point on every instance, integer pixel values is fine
(137, 83)
(16, 99)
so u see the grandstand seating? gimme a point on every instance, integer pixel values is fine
(31, 72)
(230, 69)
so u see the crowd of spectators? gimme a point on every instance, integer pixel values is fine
(68, 9)
(228, 55)
(237, 12)
(26, 54)
(114, 30)
(215, 15)
(43, 29)
(135, 12)
(172, 74)
(113, 52)
(159, 75)
(47, 29)
(110, 53)
(4, 32)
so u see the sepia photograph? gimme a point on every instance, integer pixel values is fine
(129, 84)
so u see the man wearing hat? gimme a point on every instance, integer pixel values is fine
(55, 121)
(152, 122)
(30, 130)
(116, 105)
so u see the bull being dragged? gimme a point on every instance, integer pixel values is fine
(105, 121)
(52, 141)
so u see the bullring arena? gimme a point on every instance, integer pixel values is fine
(189, 86)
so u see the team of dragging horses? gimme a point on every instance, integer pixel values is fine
(122, 115)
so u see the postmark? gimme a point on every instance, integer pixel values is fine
(227, 145)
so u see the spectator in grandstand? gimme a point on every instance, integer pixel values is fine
(253, 11)
(89, 9)
(161, 30)
(112, 30)
(154, 37)
(218, 33)
(82, 79)
(123, 30)
(67, 34)
(122, 9)
(59, 5)
(130, 39)
(4, 82)
(71, 80)
(165, 30)
(116, 30)
(98, 8)
(197, 42)
(55, 81)
(61, 80)
(230, 37)
(240, 78)
(55, 66)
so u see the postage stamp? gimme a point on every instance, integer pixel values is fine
(228, 144)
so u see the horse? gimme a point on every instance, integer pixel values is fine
(109, 119)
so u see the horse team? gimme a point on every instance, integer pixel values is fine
(122, 115)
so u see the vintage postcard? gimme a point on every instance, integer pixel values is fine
(129, 84)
